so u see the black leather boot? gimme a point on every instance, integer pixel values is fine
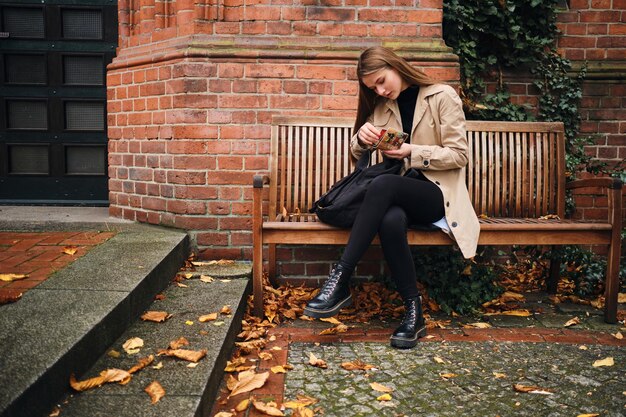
(334, 295)
(412, 326)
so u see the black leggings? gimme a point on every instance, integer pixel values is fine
(391, 204)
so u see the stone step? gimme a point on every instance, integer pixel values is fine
(189, 391)
(65, 324)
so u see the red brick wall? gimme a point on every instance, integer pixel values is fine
(195, 84)
(592, 31)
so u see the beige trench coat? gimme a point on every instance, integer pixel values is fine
(439, 149)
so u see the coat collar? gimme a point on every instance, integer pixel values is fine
(421, 105)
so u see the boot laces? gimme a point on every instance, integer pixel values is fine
(331, 283)
(410, 315)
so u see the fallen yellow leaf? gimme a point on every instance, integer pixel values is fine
(224, 414)
(479, 325)
(621, 297)
(133, 345)
(189, 323)
(618, 335)
(12, 277)
(206, 278)
(70, 250)
(243, 405)
(269, 408)
(499, 375)
(384, 397)
(302, 412)
(331, 320)
(143, 362)
(518, 313)
(248, 381)
(340, 328)
(226, 310)
(380, 388)
(155, 391)
(278, 369)
(301, 401)
(604, 362)
(448, 375)
(313, 360)
(438, 359)
(588, 415)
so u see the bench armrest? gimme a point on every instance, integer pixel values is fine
(613, 187)
(259, 180)
(610, 183)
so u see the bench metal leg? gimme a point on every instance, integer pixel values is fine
(554, 274)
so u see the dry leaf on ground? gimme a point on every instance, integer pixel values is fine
(108, 375)
(618, 335)
(224, 414)
(331, 320)
(315, 361)
(340, 328)
(438, 359)
(531, 389)
(267, 408)
(207, 317)
(572, 322)
(499, 375)
(384, 397)
(303, 412)
(178, 343)
(604, 362)
(243, 405)
(155, 391)
(226, 310)
(156, 316)
(357, 365)
(70, 250)
(621, 297)
(12, 277)
(478, 325)
(300, 401)
(206, 278)
(380, 387)
(588, 415)
(143, 362)
(133, 345)
(278, 369)
(448, 375)
(237, 365)
(248, 381)
(188, 355)
(518, 313)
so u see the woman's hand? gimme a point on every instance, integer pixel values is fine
(368, 134)
(402, 152)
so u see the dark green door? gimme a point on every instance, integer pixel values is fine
(53, 141)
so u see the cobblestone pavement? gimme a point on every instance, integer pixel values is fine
(461, 379)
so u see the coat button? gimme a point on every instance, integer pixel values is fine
(454, 224)
(447, 204)
(437, 182)
(426, 162)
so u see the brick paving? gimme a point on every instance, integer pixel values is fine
(39, 254)
(556, 359)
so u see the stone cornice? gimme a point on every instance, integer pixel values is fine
(265, 47)
(601, 70)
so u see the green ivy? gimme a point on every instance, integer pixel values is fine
(455, 283)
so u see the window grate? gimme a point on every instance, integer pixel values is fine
(25, 69)
(25, 159)
(82, 24)
(30, 115)
(85, 160)
(84, 115)
(83, 70)
(24, 22)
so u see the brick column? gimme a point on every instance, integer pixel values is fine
(196, 82)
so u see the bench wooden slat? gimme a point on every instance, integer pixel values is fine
(515, 174)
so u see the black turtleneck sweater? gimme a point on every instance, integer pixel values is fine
(407, 101)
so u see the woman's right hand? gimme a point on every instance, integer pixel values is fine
(368, 134)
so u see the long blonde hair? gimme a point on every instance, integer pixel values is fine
(372, 60)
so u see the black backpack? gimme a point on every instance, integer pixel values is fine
(340, 205)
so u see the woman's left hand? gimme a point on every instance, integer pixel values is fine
(403, 152)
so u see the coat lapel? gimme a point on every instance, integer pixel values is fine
(422, 103)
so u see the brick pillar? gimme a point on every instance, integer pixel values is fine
(196, 82)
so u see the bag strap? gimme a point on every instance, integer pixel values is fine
(364, 160)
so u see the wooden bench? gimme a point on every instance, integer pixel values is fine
(516, 174)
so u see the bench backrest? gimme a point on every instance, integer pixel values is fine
(516, 169)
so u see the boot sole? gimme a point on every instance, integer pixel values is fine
(405, 342)
(329, 312)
